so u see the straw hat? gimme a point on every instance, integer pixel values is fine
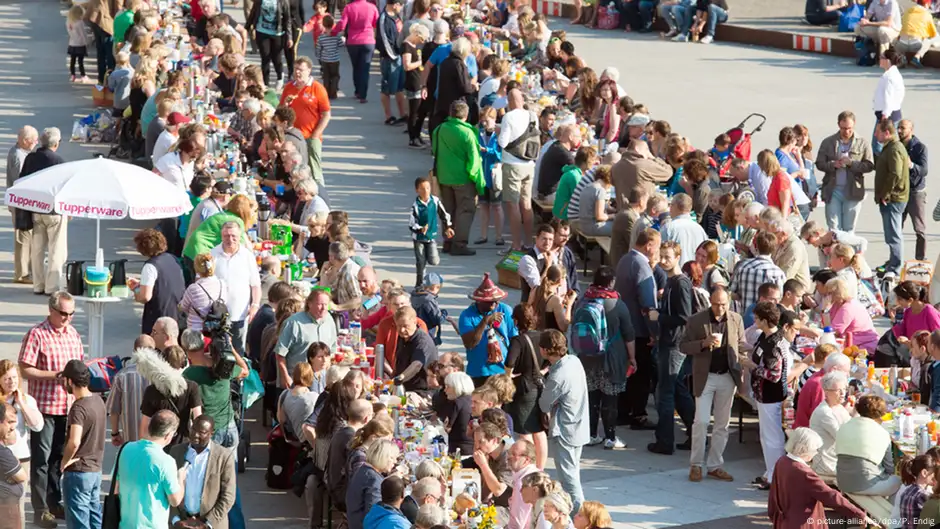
(487, 291)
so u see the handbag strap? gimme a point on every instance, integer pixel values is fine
(117, 462)
(535, 359)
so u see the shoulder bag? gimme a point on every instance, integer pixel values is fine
(111, 516)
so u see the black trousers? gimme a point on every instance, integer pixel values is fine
(603, 407)
(45, 456)
(329, 71)
(270, 47)
(81, 64)
(414, 126)
(290, 54)
(641, 384)
(424, 111)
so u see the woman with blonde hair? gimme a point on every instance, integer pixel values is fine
(28, 417)
(849, 318)
(779, 193)
(198, 299)
(364, 490)
(592, 515)
(208, 235)
(553, 310)
(536, 487)
(143, 85)
(296, 405)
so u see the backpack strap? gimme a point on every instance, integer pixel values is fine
(211, 301)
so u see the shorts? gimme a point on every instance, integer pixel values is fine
(491, 196)
(517, 184)
(393, 76)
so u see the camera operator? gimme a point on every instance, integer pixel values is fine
(213, 373)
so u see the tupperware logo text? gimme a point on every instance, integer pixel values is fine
(76, 210)
(169, 211)
(30, 203)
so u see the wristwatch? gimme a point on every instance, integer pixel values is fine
(115, 434)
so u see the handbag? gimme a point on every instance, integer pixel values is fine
(111, 515)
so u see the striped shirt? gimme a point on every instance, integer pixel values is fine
(750, 274)
(127, 394)
(574, 205)
(198, 298)
(328, 47)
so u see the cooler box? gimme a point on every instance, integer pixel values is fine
(96, 281)
(507, 270)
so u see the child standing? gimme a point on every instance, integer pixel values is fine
(424, 227)
(78, 43)
(491, 201)
(328, 54)
(315, 24)
(425, 301)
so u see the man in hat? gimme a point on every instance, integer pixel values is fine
(169, 136)
(488, 313)
(84, 448)
(638, 166)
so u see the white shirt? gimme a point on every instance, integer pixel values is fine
(514, 125)
(826, 422)
(164, 141)
(175, 171)
(487, 87)
(890, 92)
(148, 275)
(240, 273)
(688, 233)
(21, 447)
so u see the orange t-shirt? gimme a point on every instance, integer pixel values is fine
(780, 183)
(309, 103)
(387, 335)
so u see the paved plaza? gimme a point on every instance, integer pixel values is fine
(701, 90)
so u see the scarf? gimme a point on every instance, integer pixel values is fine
(596, 292)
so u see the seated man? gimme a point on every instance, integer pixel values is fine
(917, 33)
(882, 23)
(824, 12)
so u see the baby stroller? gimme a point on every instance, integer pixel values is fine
(740, 144)
(128, 143)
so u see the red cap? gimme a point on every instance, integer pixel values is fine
(176, 118)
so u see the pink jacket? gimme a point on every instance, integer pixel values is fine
(359, 19)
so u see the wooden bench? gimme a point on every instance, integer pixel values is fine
(587, 242)
(543, 208)
(878, 508)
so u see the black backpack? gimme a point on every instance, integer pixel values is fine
(527, 146)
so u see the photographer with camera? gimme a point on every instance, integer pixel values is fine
(213, 369)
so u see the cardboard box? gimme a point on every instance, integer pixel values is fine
(507, 270)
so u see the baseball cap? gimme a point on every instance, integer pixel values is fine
(176, 118)
(638, 120)
(75, 370)
(223, 187)
(431, 279)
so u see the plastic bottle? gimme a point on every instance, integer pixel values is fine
(906, 425)
(871, 371)
(828, 337)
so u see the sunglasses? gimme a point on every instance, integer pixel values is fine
(65, 314)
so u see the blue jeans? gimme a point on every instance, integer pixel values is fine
(891, 223)
(360, 55)
(227, 436)
(236, 519)
(646, 13)
(104, 47)
(716, 15)
(672, 394)
(683, 13)
(239, 330)
(81, 492)
(842, 213)
(568, 467)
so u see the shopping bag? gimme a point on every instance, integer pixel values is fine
(608, 17)
(850, 18)
(101, 96)
(252, 388)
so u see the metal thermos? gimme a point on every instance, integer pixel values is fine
(380, 362)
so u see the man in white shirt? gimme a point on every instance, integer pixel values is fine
(169, 136)
(682, 229)
(518, 139)
(236, 265)
(536, 261)
(26, 141)
(882, 23)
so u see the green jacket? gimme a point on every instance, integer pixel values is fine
(209, 234)
(892, 173)
(456, 147)
(570, 176)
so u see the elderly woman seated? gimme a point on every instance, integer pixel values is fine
(798, 497)
(827, 419)
(865, 464)
(849, 318)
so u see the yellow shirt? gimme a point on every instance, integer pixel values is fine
(918, 23)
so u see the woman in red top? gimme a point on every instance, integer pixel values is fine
(779, 194)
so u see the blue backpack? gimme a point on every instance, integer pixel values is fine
(850, 18)
(589, 337)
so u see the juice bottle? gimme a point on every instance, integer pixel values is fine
(871, 371)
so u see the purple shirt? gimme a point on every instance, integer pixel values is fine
(359, 19)
(852, 317)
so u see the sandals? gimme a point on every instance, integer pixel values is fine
(761, 483)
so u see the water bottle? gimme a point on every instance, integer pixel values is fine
(923, 440)
(828, 337)
(355, 333)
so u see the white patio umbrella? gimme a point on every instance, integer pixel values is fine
(99, 189)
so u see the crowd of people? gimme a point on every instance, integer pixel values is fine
(706, 292)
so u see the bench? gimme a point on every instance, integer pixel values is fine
(878, 508)
(543, 208)
(588, 242)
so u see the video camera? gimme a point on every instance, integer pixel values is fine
(218, 328)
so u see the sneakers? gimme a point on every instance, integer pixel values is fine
(595, 441)
(672, 33)
(707, 39)
(416, 144)
(681, 38)
(695, 474)
(614, 444)
(915, 62)
(720, 474)
(279, 85)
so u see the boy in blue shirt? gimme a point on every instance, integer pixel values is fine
(425, 213)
